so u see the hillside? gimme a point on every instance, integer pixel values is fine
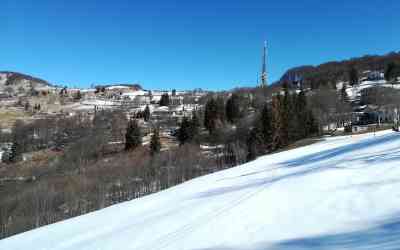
(336, 71)
(339, 193)
(13, 82)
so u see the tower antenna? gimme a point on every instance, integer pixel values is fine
(264, 67)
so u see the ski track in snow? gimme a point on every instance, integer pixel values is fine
(340, 193)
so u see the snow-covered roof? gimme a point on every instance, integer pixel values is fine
(117, 87)
(135, 93)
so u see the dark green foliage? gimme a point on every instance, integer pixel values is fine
(164, 101)
(285, 113)
(194, 127)
(214, 114)
(133, 136)
(392, 71)
(155, 144)
(254, 144)
(266, 126)
(343, 94)
(287, 119)
(78, 96)
(146, 113)
(184, 131)
(353, 76)
(332, 72)
(189, 130)
(233, 108)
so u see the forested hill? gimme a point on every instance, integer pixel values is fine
(335, 71)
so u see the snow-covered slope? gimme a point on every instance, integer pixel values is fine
(340, 193)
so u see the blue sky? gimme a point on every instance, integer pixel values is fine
(187, 44)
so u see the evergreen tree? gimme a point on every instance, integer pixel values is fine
(302, 115)
(184, 132)
(146, 113)
(284, 113)
(220, 107)
(233, 108)
(391, 71)
(194, 127)
(27, 106)
(210, 115)
(78, 95)
(155, 144)
(133, 136)
(343, 94)
(164, 101)
(254, 144)
(353, 76)
(276, 122)
(266, 126)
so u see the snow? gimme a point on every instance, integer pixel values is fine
(136, 93)
(339, 193)
(117, 87)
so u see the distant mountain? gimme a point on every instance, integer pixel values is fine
(335, 71)
(17, 83)
(11, 78)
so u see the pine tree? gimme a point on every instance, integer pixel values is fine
(276, 122)
(164, 101)
(266, 126)
(220, 107)
(194, 127)
(353, 76)
(78, 95)
(254, 144)
(184, 132)
(146, 113)
(233, 108)
(284, 113)
(343, 94)
(133, 136)
(210, 115)
(302, 115)
(155, 144)
(391, 71)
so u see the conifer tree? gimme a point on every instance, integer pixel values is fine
(353, 76)
(133, 136)
(184, 131)
(276, 122)
(343, 94)
(78, 95)
(284, 112)
(302, 115)
(210, 115)
(233, 108)
(164, 101)
(220, 107)
(155, 143)
(392, 70)
(146, 113)
(266, 126)
(194, 127)
(254, 144)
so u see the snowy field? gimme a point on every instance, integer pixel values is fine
(340, 193)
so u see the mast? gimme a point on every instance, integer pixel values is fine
(264, 67)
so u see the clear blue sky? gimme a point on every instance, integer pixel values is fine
(212, 44)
